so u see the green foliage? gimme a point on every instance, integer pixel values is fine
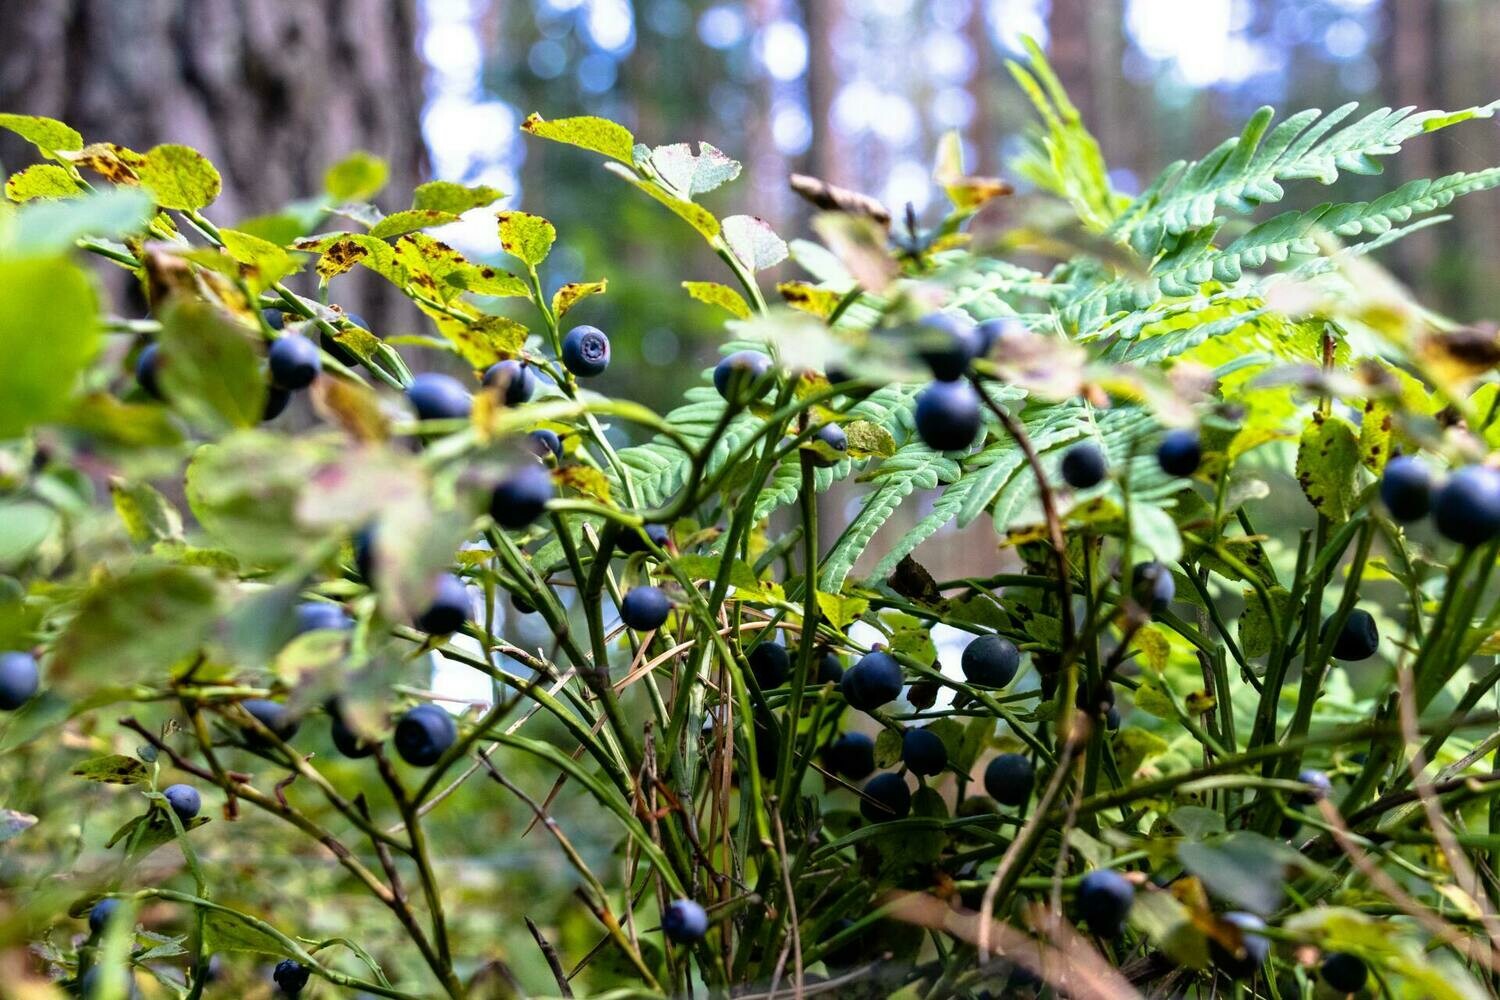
(191, 625)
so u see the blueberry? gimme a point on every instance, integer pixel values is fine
(274, 716)
(439, 397)
(1318, 787)
(873, 681)
(363, 544)
(315, 615)
(991, 332)
(630, 541)
(274, 318)
(585, 351)
(184, 800)
(1406, 488)
(277, 399)
(947, 416)
(514, 378)
(833, 436)
(830, 667)
(1100, 699)
(1466, 508)
(1180, 452)
(1252, 953)
(947, 343)
(1104, 898)
(1358, 639)
(990, 661)
(1345, 972)
(770, 662)
(346, 740)
(1152, 586)
(449, 608)
(522, 605)
(1112, 718)
(923, 752)
(423, 734)
(684, 921)
(521, 496)
(101, 914)
(1009, 779)
(291, 976)
(851, 756)
(739, 371)
(1083, 465)
(645, 608)
(19, 680)
(294, 361)
(147, 368)
(543, 442)
(885, 797)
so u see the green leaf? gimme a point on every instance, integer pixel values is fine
(586, 132)
(910, 637)
(135, 624)
(869, 439)
(210, 367)
(262, 262)
(357, 177)
(447, 196)
(1169, 926)
(244, 490)
(887, 748)
(223, 932)
(41, 180)
(179, 177)
(1196, 822)
(45, 227)
(409, 221)
(526, 237)
(147, 515)
(1133, 747)
(841, 610)
(566, 297)
(1152, 697)
(1244, 868)
(112, 769)
(24, 526)
(49, 330)
(1255, 625)
(693, 214)
(715, 294)
(47, 134)
(1327, 460)
(1156, 532)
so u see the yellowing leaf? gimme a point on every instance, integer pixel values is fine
(47, 134)
(41, 180)
(179, 177)
(820, 302)
(357, 177)
(567, 296)
(586, 132)
(114, 163)
(694, 215)
(841, 610)
(526, 237)
(481, 341)
(409, 221)
(147, 515)
(1326, 463)
(261, 262)
(715, 294)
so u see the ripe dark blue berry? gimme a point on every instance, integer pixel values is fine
(885, 797)
(436, 396)
(275, 318)
(1009, 779)
(363, 544)
(1253, 950)
(449, 608)
(147, 366)
(522, 605)
(184, 800)
(515, 380)
(274, 716)
(19, 680)
(684, 921)
(1083, 465)
(645, 608)
(1406, 488)
(291, 976)
(947, 343)
(630, 541)
(543, 442)
(923, 752)
(1180, 452)
(830, 667)
(1466, 509)
(770, 662)
(873, 681)
(585, 351)
(315, 615)
(1345, 972)
(1357, 640)
(991, 332)
(346, 740)
(1112, 718)
(423, 734)
(947, 416)
(1104, 898)
(851, 756)
(277, 399)
(521, 496)
(101, 914)
(1100, 698)
(832, 436)
(737, 372)
(1318, 787)
(1152, 586)
(294, 361)
(990, 661)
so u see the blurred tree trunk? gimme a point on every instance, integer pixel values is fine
(981, 89)
(272, 92)
(1413, 76)
(825, 154)
(1069, 50)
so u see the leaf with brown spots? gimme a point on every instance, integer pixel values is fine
(586, 480)
(715, 294)
(41, 180)
(340, 257)
(116, 164)
(820, 302)
(568, 295)
(1327, 460)
(526, 237)
(586, 132)
(483, 340)
(179, 177)
(1458, 356)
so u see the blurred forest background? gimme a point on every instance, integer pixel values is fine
(854, 91)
